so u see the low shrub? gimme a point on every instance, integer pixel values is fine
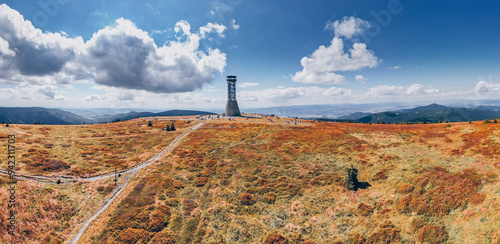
(270, 198)
(200, 181)
(443, 193)
(365, 209)
(432, 234)
(384, 235)
(276, 239)
(246, 199)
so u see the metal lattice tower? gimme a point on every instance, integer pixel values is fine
(232, 108)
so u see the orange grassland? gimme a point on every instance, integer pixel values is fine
(269, 181)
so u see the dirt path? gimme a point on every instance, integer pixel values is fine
(87, 223)
(133, 171)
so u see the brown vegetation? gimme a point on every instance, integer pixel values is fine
(250, 181)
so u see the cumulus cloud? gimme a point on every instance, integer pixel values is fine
(48, 90)
(417, 89)
(119, 56)
(484, 87)
(27, 51)
(361, 79)
(211, 27)
(319, 68)
(348, 27)
(125, 56)
(5, 49)
(248, 84)
(385, 91)
(394, 67)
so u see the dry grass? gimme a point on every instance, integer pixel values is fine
(253, 181)
(87, 150)
(51, 213)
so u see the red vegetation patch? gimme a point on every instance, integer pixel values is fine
(471, 174)
(270, 198)
(384, 235)
(381, 175)
(55, 165)
(444, 193)
(357, 238)
(246, 199)
(405, 189)
(162, 238)
(276, 239)
(385, 211)
(130, 235)
(417, 224)
(365, 209)
(432, 234)
(159, 217)
(200, 181)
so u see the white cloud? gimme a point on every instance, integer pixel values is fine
(484, 87)
(4, 48)
(319, 68)
(348, 27)
(48, 90)
(126, 96)
(211, 27)
(338, 92)
(248, 84)
(37, 54)
(385, 91)
(158, 31)
(394, 67)
(417, 89)
(119, 56)
(361, 79)
(234, 26)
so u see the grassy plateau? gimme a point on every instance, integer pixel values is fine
(259, 180)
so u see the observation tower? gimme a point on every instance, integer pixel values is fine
(232, 108)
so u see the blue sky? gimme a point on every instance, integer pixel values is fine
(175, 54)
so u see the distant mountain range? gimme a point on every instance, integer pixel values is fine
(330, 111)
(430, 114)
(394, 114)
(32, 115)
